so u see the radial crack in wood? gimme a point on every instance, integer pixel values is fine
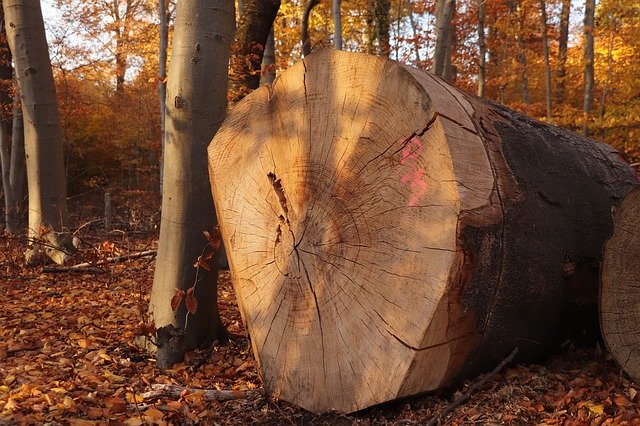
(389, 234)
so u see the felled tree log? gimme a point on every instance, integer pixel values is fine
(388, 234)
(620, 289)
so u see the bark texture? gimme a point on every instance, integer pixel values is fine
(162, 75)
(547, 65)
(43, 137)
(256, 21)
(619, 295)
(304, 35)
(389, 234)
(563, 42)
(444, 39)
(197, 93)
(337, 25)
(589, 76)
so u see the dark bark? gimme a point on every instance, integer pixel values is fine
(589, 78)
(381, 11)
(306, 39)
(256, 21)
(563, 41)
(547, 65)
(482, 49)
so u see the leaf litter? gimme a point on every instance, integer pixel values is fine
(67, 356)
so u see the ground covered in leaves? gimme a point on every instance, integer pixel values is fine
(67, 357)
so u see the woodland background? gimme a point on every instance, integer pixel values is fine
(105, 60)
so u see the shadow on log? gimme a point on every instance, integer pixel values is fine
(389, 234)
(620, 289)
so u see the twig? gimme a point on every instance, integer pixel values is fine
(160, 390)
(435, 419)
(92, 267)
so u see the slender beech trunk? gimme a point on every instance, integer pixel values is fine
(370, 31)
(337, 25)
(18, 173)
(381, 10)
(306, 40)
(563, 41)
(6, 100)
(269, 60)
(197, 89)
(414, 31)
(547, 65)
(253, 31)
(444, 16)
(482, 48)
(589, 22)
(522, 56)
(162, 76)
(48, 218)
(607, 82)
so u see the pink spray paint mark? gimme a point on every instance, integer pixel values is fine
(416, 182)
(411, 150)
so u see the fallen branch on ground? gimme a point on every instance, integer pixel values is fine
(93, 266)
(474, 387)
(160, 390)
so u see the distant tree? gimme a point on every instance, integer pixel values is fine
(48, 217)
(547, 65)
(589, 78)
(197, 89)
(482, 49)
(444, 37)
(269, 59)
(107, 34)
(305, 38)
(337, 25)
(256, 21)
(382, 9)
(6, 108)
(517, 9)
(563, 41)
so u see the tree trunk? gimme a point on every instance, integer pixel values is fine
(522, 54)
(414, 31)
(444, 15)
(482, 48)
(337, 25)
(48, 218)
(247, 52)
(589, 22)
(306, 40)
(562, 50)
(269, 59)
(18, 174)
(389, 234)
(547, 65)
(619, 295)
(6, 107)
(370, 28)
(381, 11)
(609, 77)
(197, 89)
(162, 75)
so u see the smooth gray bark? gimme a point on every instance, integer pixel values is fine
(442, 49)
(269, 59)
(48, 218)
(18, 173)
(589, 23)
(162, 75)
(337, 25)
(197, 93)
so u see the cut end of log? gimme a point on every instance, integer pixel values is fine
(357, 199)
(620, 287)
(336, 279)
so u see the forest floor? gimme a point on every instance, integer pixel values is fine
(67, 357)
